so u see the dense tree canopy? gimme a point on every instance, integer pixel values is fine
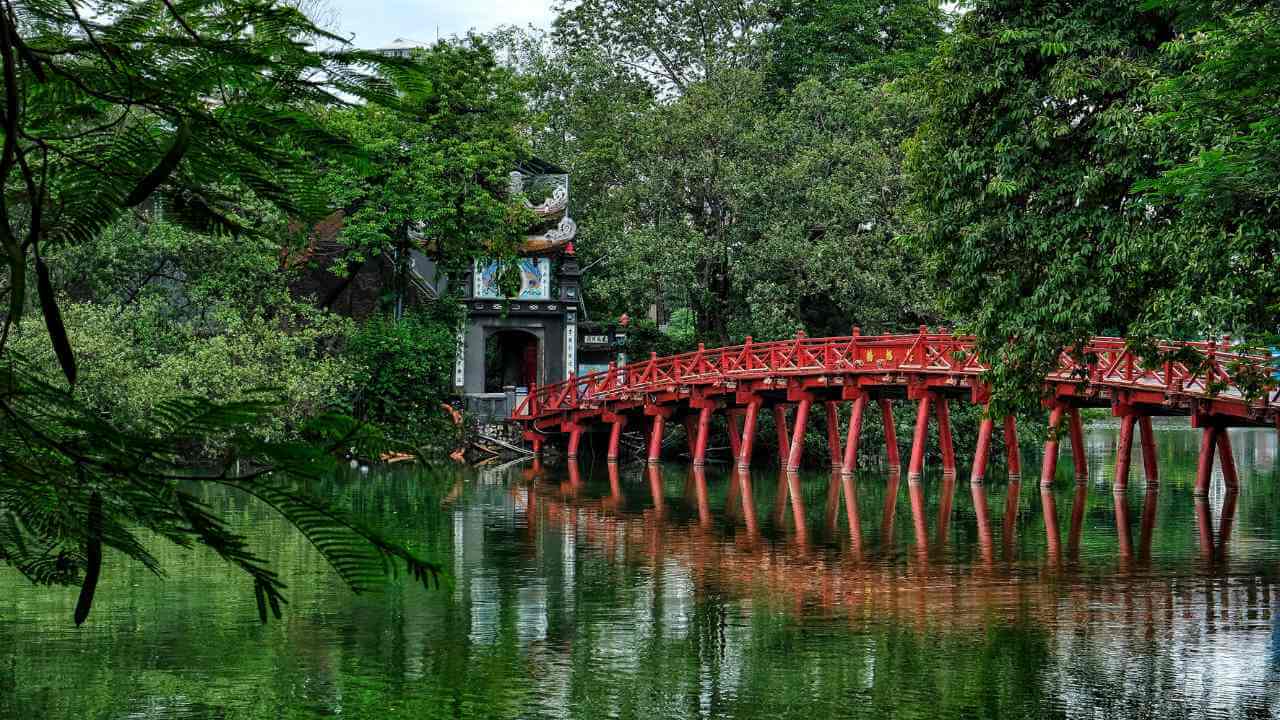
(436, 165)
(869, 39)
(717, 171)
(1221, 106)
(1088, 168)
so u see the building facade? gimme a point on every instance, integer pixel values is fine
(507, 345)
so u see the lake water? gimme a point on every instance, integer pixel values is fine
(643, 594)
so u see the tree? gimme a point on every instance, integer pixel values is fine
(671, 44)
(1023, 179)
(201, 108)
(1090, 169)
(874, 41)
(438, 163)
(157, 312)
(1221, 245)
(761, 209)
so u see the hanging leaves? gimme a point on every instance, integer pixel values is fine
(53, 321)
(93, 559)
(163, 169)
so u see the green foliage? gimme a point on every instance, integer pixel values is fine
(168, 313)
(760, 211)
(405, 373)
(134, 359)
(869, 40)
(439, 162)
(199, 108)
(1089, 168)
(1023, 175)
(645, 337)
(673, 45)
(1222, 243)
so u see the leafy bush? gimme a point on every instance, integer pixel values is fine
(644, 337)
(403, 372)
(133, 358)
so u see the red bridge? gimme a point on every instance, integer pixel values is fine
(1216, 389)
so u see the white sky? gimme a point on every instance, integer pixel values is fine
(378, 22)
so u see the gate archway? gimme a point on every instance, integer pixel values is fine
(511, 358)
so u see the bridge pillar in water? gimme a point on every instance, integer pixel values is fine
(749, 432)
(1124, 450)
(660, 415)
(1077, 445)
(890, 434)
(1013, 453)
(985, 428)
(1049, 467)
(1149, 463)
(916, 468)
(943, 411)
(702, 430)
(1227, 460)
(850, 461)
(735, 434)
(575, 438)
(616, 425)
(833, 434)
(1214, 438)
(796, 447)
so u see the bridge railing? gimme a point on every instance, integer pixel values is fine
(1206, 371)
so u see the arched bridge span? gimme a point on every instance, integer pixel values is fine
(931, 369)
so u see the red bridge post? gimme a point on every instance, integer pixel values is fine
(850, 465)
(916, 468)
(943, 411)
(616, 424)
(1149, 463)
(1013, 453)
(735, 435)
(796, 448)
(984, 448)
(1204, 466)
(575, 438)
(1227, 460)
(703, 432)
(1124, 450)
(1214, 436)
(1049, 467)
(1077, 445)
(890, 434)
(660, 415)
(749, 432)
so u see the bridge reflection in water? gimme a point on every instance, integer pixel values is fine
(805, 546)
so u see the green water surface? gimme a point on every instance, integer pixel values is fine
(661, 593)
